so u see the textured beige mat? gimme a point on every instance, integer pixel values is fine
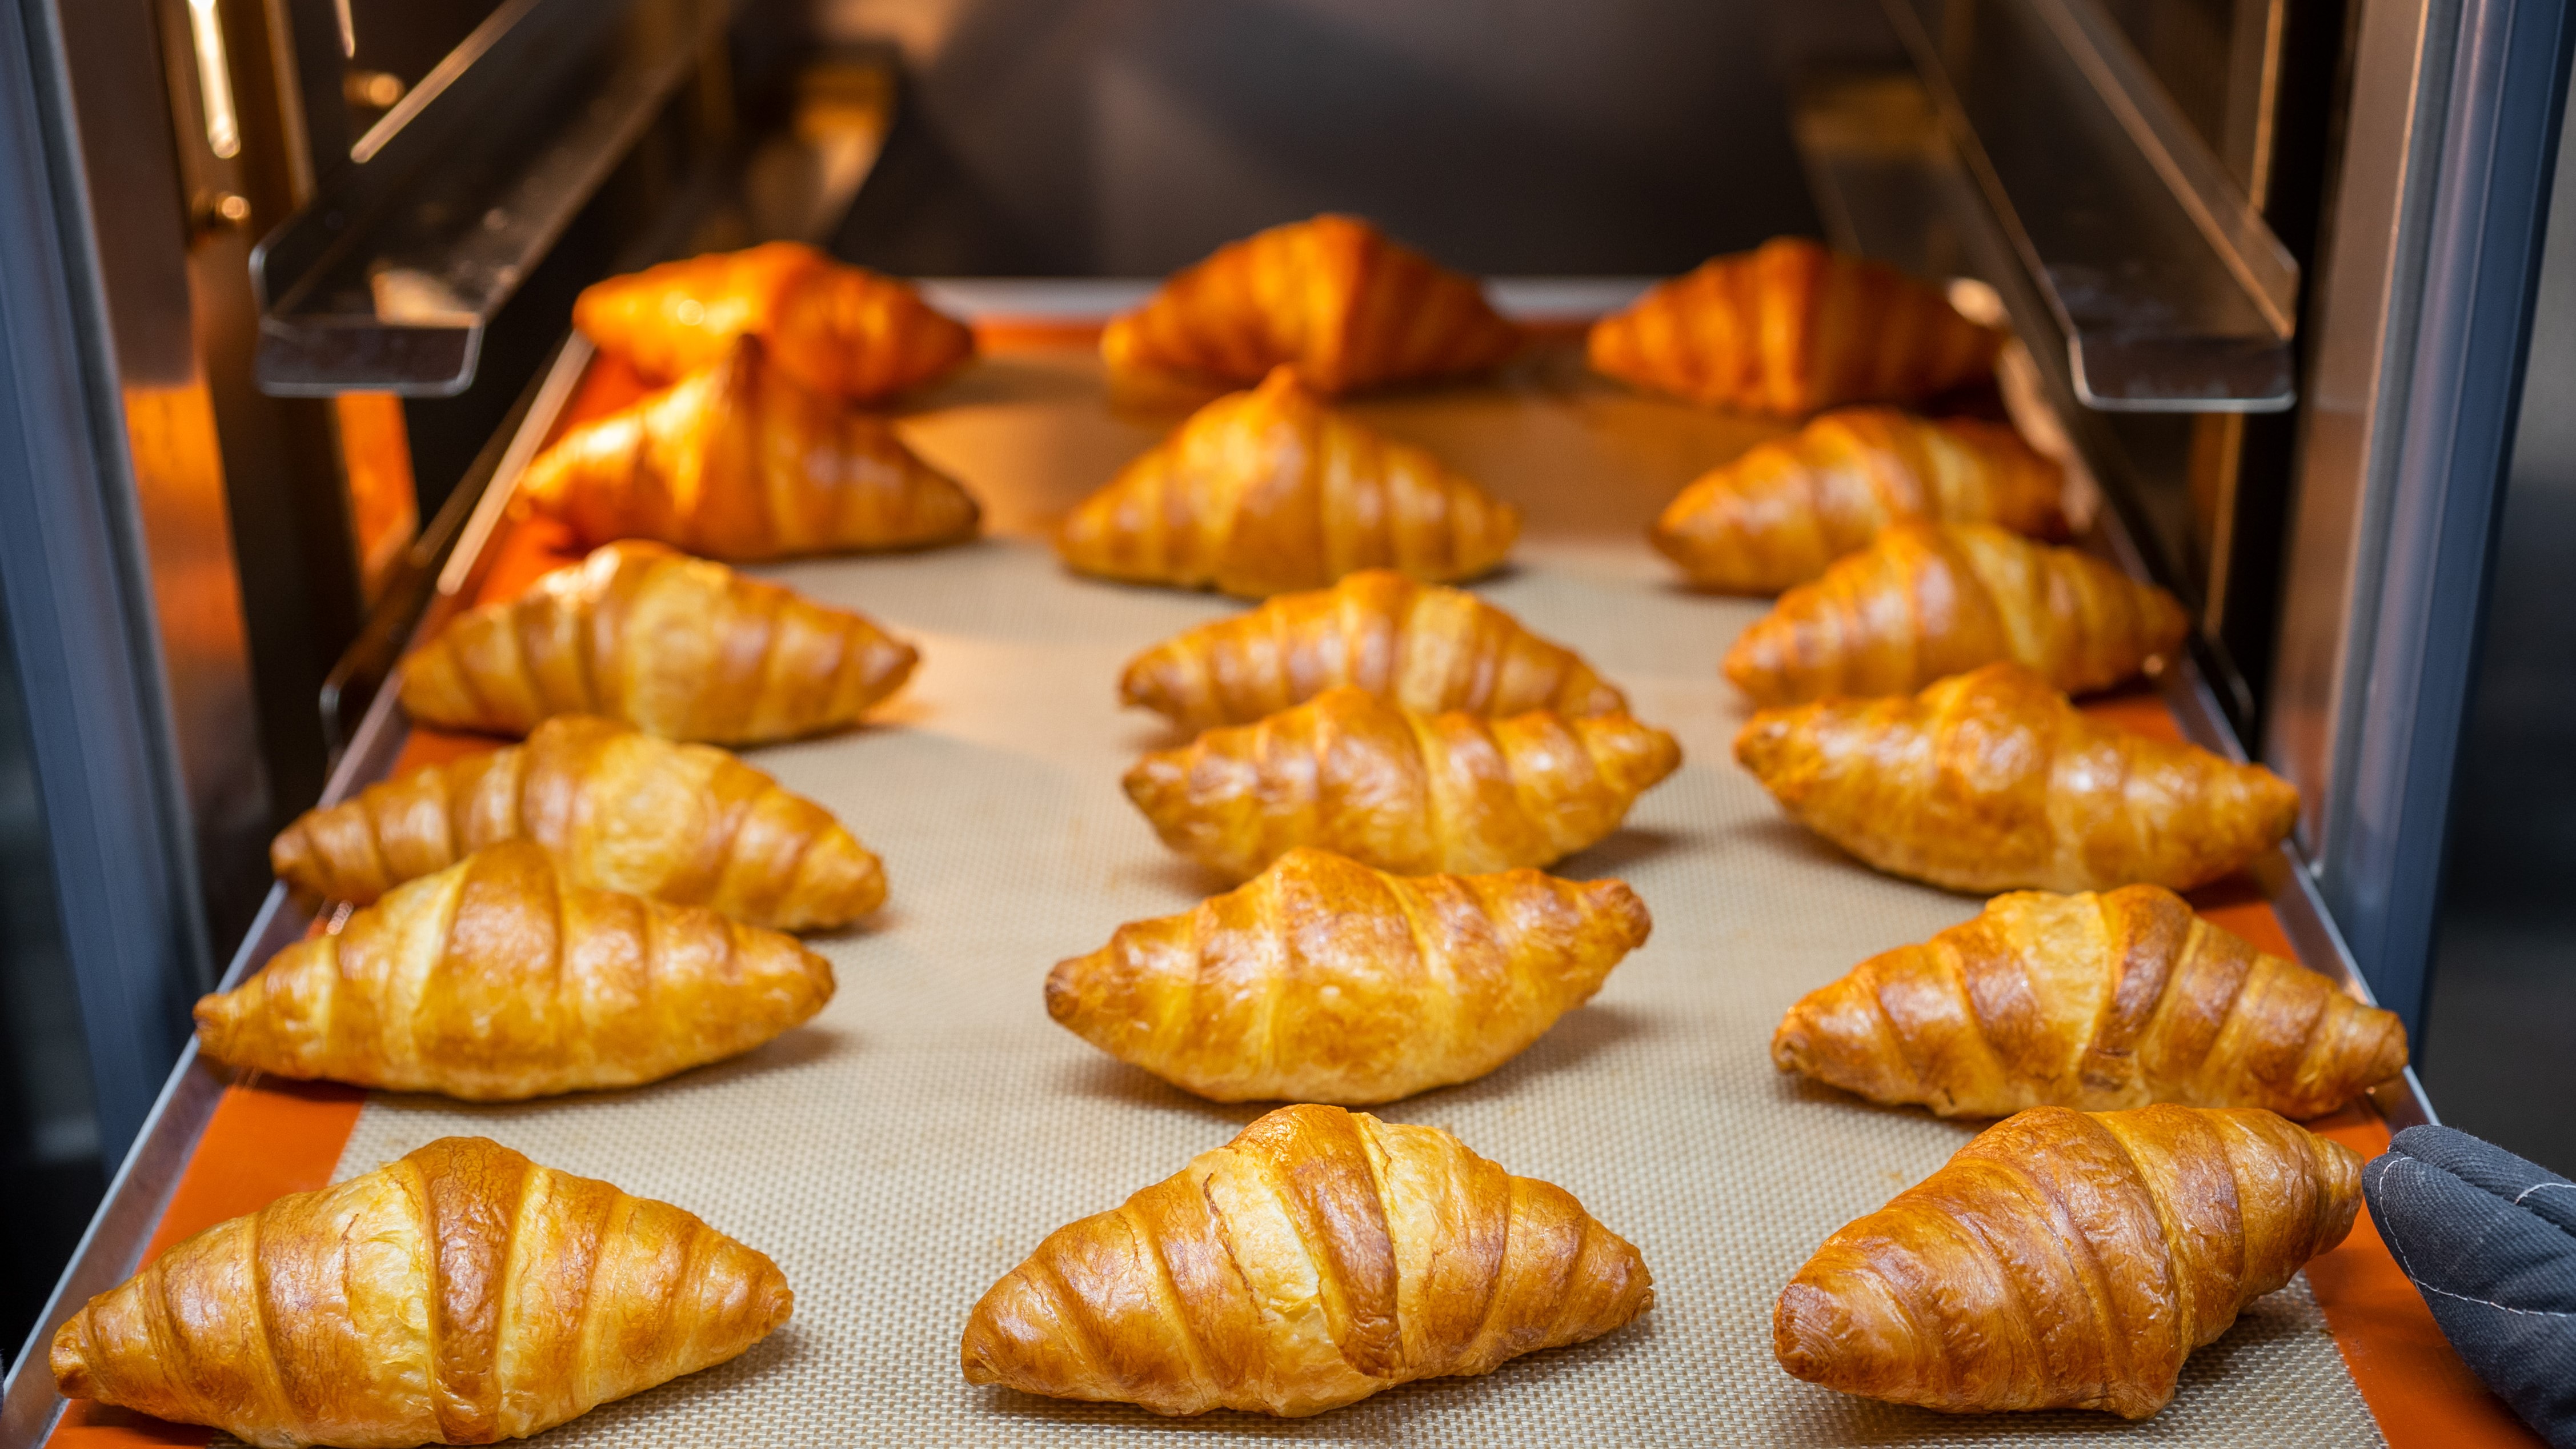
(923, 1134)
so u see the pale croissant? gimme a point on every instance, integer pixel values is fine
(2089, 1001)
(1421, 646)
(743, 463)
(1322, 980)
(2067, 1260)
(621, 810)
(1319, 1257)
(1789, 328)
(1927, 600)
(495, 980)
(1776, 516)
(837, 329)
(675, 646)
(1266, 491)
(1330, 297)
(1404, 792)
(459, 1295)
(1992, 781)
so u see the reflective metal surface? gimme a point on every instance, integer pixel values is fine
(387, 279)
(2173, 294)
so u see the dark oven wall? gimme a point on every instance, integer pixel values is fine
(1129, 137)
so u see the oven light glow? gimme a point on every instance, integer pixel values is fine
(214, 79)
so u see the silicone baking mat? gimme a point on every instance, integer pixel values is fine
(918, 1138)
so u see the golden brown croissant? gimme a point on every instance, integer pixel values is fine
(741, 462)
(1404, 792)
(460, 1295)
(1265, 491)
(675, 646)
(837, 329)
(623, 811)
(496, 980)
(1331, 297)
(1991, 781)
(2089, 1001)
(1325, 981)
(1319, 1257)
(2067, 1260)
(1926, 600)
(1776, 516)
(1421, 646)
(1789, 328)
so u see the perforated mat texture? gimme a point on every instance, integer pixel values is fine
(915, 1141)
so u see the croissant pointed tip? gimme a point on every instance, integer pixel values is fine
(70, 1364)
(1818, 1336)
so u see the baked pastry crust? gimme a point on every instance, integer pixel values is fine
(1777, 516)
(1266, 491)
(2067, 1260)
(459, 1295)
(1322, 980)
(619, 809)
(1421, 646)
(1409, 793)
(741, 462)
(1928, 600)
(496, 981)
(675, 646)
(1319, 1257)
(2096, 1002)
(1330, 297)
(837, 329)
(1991, 781)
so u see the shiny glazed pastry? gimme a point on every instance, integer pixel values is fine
(2067, 1260)
(495, 981)
(1776, 516)
(1421, 646)
(1330, 297)
(1991, 781)
(1789, 328)
(460, 1295)
(741, 462)
(1928, 600)
(1266, 491)
(1319, 1257)
(1404, 792)
(675, 646)
(837, 329)
(620, 810)
(1322, 980)
(2094, 1002)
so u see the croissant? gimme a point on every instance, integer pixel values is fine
(2089, 1001)
(1265, 491)
(1325, 981)
(742, 462)
(1776, 516)
(1421, 646)
(496, 980)
(2067, 1260)
(1991, 781)
(1404, 792)
(675, 646)
(1789, 328)
(460, 1295)
(1331, 297)
(1319, 1257)
(1926, 600)
(623, 811)
(836, 329)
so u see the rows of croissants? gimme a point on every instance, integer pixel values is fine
(1387, 766)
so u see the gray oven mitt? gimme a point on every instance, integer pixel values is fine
(2490, 1241)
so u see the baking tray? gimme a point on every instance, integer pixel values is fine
(912, 1143)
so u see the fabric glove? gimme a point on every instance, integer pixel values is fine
(2490, 1241)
